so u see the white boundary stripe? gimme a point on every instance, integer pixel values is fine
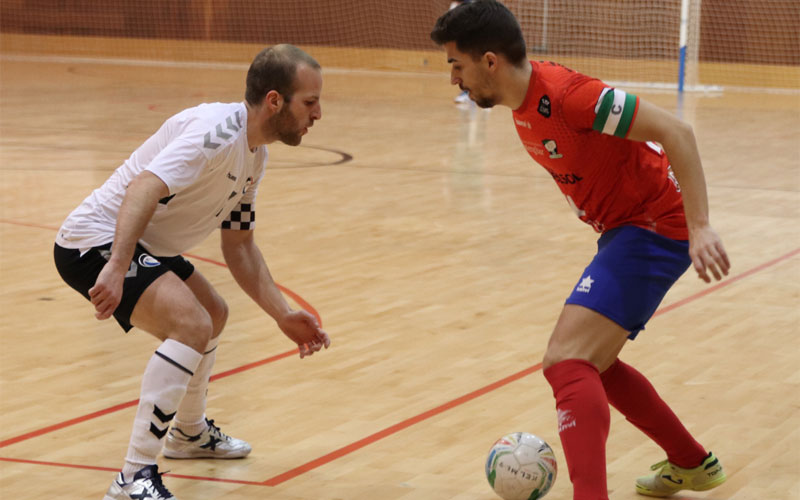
(122, 62)
(199, 65)
(659, 86)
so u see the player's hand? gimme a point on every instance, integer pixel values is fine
(302, 328)
(708, 254)
(106, 293)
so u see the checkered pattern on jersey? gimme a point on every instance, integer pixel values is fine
(243, 217)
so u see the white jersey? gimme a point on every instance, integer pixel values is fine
(203, 157)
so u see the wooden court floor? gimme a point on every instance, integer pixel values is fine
(435, 253)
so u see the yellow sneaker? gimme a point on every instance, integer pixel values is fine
(671, 479)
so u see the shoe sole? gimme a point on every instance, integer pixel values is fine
(188, 456)
(712, 484)
(705, 487)
(649, 493)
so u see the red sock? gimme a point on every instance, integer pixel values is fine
(583, 422)
(633, 395)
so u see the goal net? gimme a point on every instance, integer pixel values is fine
(728, 43)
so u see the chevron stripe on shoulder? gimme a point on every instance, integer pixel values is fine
(222, 131)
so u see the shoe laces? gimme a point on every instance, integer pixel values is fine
(214, 431)
(157, 485)
(659, 465)
(153, 480)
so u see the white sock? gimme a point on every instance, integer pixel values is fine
(191, 416)
(163, 385)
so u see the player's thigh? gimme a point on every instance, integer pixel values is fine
(169, 309)
(616, 295)
(581, 333)
(629, 276)
(210, 300)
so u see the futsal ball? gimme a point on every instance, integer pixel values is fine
(521, 466)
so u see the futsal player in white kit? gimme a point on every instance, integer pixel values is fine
(121, 249)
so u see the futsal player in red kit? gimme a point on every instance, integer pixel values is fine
(632, 171)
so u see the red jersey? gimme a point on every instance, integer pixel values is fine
(576, 128)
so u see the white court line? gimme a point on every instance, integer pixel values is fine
(657, 86)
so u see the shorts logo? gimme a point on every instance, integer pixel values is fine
(585, 285)
(148, 261)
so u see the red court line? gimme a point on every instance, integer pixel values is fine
(122, 406)
(727, 282)
(280, 478)
(298, 299)
(52, 428)
(57, 464)
(463, 399)
(252, 365)
(341, 452)
(68, 423)
(38, 226)
(109, 469)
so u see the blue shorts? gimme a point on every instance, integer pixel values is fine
(630, 275)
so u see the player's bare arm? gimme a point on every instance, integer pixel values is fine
(250, 271)
(677, 138)
(136, 210)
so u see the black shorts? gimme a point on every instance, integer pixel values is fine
(81, 271)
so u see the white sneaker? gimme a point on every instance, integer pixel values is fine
(146, 484)
(211, 443)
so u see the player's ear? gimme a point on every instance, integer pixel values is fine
(273, 100)
(491, 60)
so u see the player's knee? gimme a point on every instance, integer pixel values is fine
(194, 329)
(557, 352)
(551, 357)
(554, 355)
(223, 317)
(219, 316)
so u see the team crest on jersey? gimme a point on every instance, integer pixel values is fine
(552, 148)
(544, 106)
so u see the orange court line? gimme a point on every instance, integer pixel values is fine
(46, 430)
(109, 469)
(274, 481)
(345, 450)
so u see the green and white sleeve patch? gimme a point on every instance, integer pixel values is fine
(614, 112)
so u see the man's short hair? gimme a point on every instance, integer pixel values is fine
(482, 26)
(275, 68)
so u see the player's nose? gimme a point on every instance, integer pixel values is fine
(454, 80)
